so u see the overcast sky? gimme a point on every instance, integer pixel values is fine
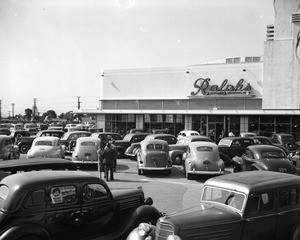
(55, 50)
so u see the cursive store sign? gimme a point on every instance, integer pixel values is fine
(202, 85)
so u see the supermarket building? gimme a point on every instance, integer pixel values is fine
(256, 93)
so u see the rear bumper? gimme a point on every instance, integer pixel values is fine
(154, 168)
(205, 172)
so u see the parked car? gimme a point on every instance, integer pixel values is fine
(202, 158)
(285, 140)
(85, 150)
(169, 138)
(46, 147)
(194, 138)
(263, 140)
(122, 145)
(36, 164)
(154, 156)
(25, 143)
(158, 131)
(8, 150)
(132, 150)
(248, 134)
(249, 205)
(4, 131)
(229, 147)
(264, 158)
(135, 130)
(18, 134)
(69, 139)
(105, 137)
(176, 152)
(69, 205)
(185, 133)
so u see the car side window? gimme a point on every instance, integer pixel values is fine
(249, 154)
(274, 139)
(259, 203)
(93, 191)
(63, 194)
(36, 198)
(288, 197)
(236, 143)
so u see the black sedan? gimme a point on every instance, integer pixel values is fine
(264, 158)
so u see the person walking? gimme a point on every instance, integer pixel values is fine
(108, 156)
(113, 147)
(100, 162)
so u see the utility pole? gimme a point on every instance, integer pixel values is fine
(34, 109)
(13, 110)
(0, 109)
(78, 102)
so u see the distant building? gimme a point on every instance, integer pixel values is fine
(257, 93)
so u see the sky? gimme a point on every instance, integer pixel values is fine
(55, 50)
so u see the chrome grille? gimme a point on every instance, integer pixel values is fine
(163, 230)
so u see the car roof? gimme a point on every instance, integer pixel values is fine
(253, 181)
(153, 141)
(46, 138)
(262, 147)
(88, 139)
(154, 135)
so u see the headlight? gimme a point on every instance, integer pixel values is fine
(173, 237)
(144, 229)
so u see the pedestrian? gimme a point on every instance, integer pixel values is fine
(100, 162)
(113, 147)
(108, 156)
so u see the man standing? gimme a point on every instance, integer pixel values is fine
(108, 156)
(113, 147)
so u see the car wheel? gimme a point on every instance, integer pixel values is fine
(177, 160)
(24, 149)
(188, 176)
(168, 172)
(120, 153)
(139, 172)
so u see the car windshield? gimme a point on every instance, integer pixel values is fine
(43, 143)
(273, 154)
(204, 149)
(224, 196)
(4, 190)
(226, 142)
(88, 144)
(154, 147)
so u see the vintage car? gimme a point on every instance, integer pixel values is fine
(202, 158)
(85, 150)
(132, 150)
(25, 143)
(50, 147)
(4, 131)
(285, 140)
(240, 206)
(169, 138)
(69, 139)
(127, 141)
(16, 135)
(8, 150)
(105, 137)
(69, 205)
(185, 133)
(264, 158)
(154, 156)
(229, 147)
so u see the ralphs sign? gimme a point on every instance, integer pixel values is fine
(202, 85)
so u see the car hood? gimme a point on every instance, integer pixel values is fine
(203, 215)
(128, 198)
(277, 164)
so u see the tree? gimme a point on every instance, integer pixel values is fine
(51, 114)
(28, 114)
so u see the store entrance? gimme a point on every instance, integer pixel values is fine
(216, 131)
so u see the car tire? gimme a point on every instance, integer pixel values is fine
(120, 153)
(168, 172)
(24, 149)
(177, 160)
(139, 172)
(188, 176)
